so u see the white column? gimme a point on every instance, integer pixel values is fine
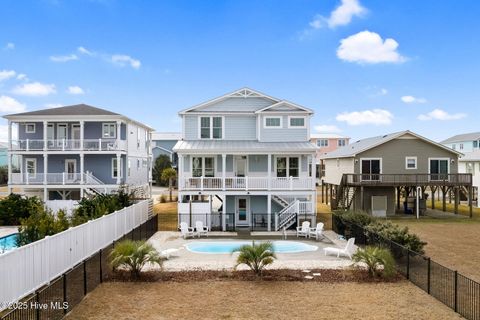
(269, 171)
(9, 156)
(45, 193)
(224, 208)
(82, 134)
(9, 160)
(180, 172)
(81, 192)
(82, 167)
(119, 131)
(224, 170)
(20, 160)
(45, 169)
(118, 168)
(269, 211)
(314, 173)
(45, 143)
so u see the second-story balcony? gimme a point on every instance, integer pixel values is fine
(247, 183)
(69, 145)
(61, 178)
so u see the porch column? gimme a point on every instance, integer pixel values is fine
(314, 176)
(82, 134)
(457, 199)
(269, 211)
(269, 175)
(470, 201)
(180, 173)
(10, 135)
(362, 200)
(118, 168)
(81, 193)
(45, 169)
(224, 170)
(9, 154)
(45, 142)
(82, 172)
(119, 131)
(45, 193)
(224, 212)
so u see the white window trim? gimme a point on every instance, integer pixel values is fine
(211, 127)
(114, 167)
(448, 162)
(235, 164)
(30, 124)
(270, 117)
(344, 142)
(411, 158)
(318, 140)
(288, 164)
(34, 174)
(381, 164)
(203, 164)
(66, 130)
(114, 131)
(297, 127)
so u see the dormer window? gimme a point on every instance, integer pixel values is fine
(272, 122)
(211, 127)
(296, 122)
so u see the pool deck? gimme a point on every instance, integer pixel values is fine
(184, 259)
(6, 231)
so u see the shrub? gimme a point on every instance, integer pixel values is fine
(163, 199)
(360, 218)
(161, 163)
(40, 224)
(379, 261)
(256, 257)
(396, 234)
(15, 207)
(133, 255)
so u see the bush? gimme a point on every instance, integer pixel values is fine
(162, 162)
(360, 218)
(396, 234)
(15, 207)
(379, 261)
(133, 255)
(163, 199)
(40, 224)
(256, 257)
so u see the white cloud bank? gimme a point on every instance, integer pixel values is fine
(75, 90)
(325, 128)
(341, 16)
(123, 60)
(369, 48)
(439, 114)
(35, 89)
(66, 58)
(10, 105)
(412, 99)
(7, 74)
(375, 116)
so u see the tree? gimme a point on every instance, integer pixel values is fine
(40, 224)
(256, 257)
(161, 163)
(15, 207)
(169, 174)
(133, 255)
(379, 261)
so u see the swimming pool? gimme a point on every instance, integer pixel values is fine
(219, 247)
(8, 243)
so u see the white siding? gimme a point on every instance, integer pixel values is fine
(335, 168)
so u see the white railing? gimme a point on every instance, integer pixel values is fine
(287, 215)
(69, 145)
(53, 178)
(247, 183)
(305, 207)
(24, 270)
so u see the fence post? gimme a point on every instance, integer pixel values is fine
(456, 290)
(428, 275)
(64, 276)
(408, 264)
(37, 309)
(84, 277)
(101, 269)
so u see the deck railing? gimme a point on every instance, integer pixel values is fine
(247, 183)
(408, 179)
(61, 178)
(69, 145)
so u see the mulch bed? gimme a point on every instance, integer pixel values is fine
(326, 275)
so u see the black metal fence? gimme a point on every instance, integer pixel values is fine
(448, 286)
(57, 298)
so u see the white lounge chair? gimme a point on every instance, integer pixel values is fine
(316, 232)
(200, 229)
(186, 230)
(348, 251)
(303, 230)
(168, 252)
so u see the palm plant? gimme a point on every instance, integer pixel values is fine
(256, 257)
(379, 261)
(169, 174)
(133, 255)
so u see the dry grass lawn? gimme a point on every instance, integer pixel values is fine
(451, 243)
(259, 300)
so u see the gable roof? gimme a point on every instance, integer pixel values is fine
(287, 104)
(360, 146)
(462, 137)
(73, 110)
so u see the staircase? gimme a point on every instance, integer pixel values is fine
(281, 201)
(288, 216)
(344, 196)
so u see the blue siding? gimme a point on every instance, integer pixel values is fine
(258, 163)
(93, 130)
(240, 127)
(238, 104)
(37, 135)
(191, 127)
(100, 165)
(284, 134)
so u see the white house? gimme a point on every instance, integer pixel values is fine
(245, 160)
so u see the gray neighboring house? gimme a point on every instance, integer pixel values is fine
(70, 152)
(163, 143)
(245, 160)
(374, 173)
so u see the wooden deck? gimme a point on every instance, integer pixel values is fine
(408, 180)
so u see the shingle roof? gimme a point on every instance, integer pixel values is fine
(74, 110)
(205, 146)
(463, 137)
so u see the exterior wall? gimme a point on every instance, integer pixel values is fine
(462, 146)
(393, 155)
(235, 104)
(100, 165)
(137, 140)
(92, 130)
(37, 135)
(258, 204)
(236, 127)
(3, 157)
(368, 192)
(165, 144)
(474, 169)
(283, 134)
(137, 171)
(335, 168)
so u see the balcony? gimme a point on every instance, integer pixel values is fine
(62, 178)
(247, 183)
(456, 179)
(69, 145)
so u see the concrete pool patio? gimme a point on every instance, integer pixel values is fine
(183, 259)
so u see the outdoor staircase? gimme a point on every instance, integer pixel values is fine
(344, 195)
(287, 216)
(281, 201)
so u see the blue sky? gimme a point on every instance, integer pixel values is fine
(365, 67)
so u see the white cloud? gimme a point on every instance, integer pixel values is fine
(75, 90)
(341, 16)
(10, 46)
(123, 60)
(412, 99)
(52, 105)
(7, 74)
(369, 47)
(22, 76)
(85, 51)
(374, 116)
(66, 58)
(439, 114)
(10, 105)
(325, 128)
(34, 89)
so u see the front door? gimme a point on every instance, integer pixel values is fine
(242, 210)
(70, 169)
(241, 166)
(76, 136)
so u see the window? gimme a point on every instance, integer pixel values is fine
(296, 122)
(114, 168)
(439, 169)
(454, 147)
(129, 165)
(30, 128)
(322, 143)
(461, 146)
(371, 169)
(138, 138)
(293, 167)
(109, 130)
(31, 164)
(410, 163)
(272, 122)
(211, 127)
(475, 144)
(342, 142)
(203, 166)
(138, 164)
(287, 166)
(471, 167)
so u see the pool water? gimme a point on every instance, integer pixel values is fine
(219, 247)
(8, 243)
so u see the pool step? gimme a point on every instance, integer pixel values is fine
(243, 232)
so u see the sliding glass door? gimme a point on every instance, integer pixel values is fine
(371, 169)
(439, 169)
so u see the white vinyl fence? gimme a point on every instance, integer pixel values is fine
(57, 205)
(27, 268)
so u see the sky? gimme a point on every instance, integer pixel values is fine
(365, 67)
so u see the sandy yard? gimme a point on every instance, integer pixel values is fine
(260, 300)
